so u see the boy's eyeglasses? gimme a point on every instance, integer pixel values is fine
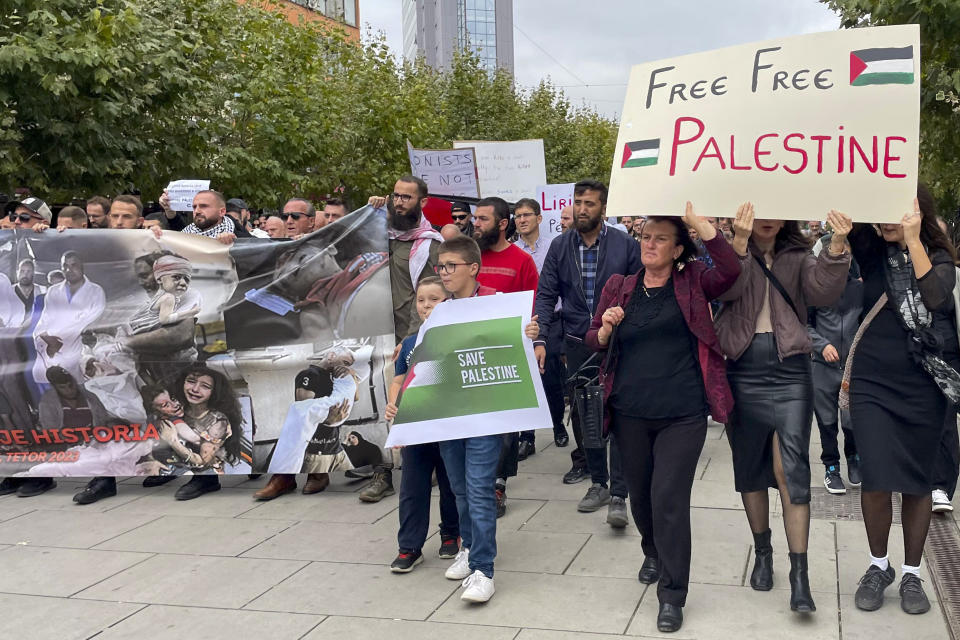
(448, 267)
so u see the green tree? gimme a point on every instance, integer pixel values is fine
(939, 22)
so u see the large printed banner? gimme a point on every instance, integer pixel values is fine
(798, 126)
(124, 354)
(472, 377)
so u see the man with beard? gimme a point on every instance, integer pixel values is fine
(460, 212)
(239, 212)
(300, 216)
(576, 268)
(508, 269)
(413, 255)
(97, 209)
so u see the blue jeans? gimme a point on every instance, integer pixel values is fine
(472, 468)
(419, 462)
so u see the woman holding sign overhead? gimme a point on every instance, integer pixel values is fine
(762, 329)
(664, 374)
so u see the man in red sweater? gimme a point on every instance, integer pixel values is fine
(506, 268)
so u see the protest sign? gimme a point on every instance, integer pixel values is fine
(178, 355)
(472, 378)
(181, 193)
(798, 126)
(553, 198)
(447, 172)
(510, 170)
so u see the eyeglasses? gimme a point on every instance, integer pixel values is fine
(295, 215)
(401, 197)
(524, 216)
(463, 217)
(448, 267)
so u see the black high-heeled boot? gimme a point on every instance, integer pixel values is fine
(762, 577)
(800, 598)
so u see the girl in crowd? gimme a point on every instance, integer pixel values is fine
(906, 352)
(213, 413)
(762, 330)
(659, 413)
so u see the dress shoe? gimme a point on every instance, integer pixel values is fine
(525, 450)
(649, 570)
(97, 489)
(801, 600)
(10, 485)
(316, 482)
(198, 486)
(279, 484)
(561, 439)
(670, 618)
(761, 579)
(157, 481)
(35, 486)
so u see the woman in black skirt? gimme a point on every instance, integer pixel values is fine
(763, 332)
(899, 366)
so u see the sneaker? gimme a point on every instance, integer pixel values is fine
(10, 485)
(597, 496)
(449, 547)
(479, 588)
(617, 512)
(35, 486)
(853, 471)
(941, 502)
(379, 488)
(575, 475)
(912, 598)
(869, 596)
(833, 482)
(406, 561)
(501, 492)
(460, 568)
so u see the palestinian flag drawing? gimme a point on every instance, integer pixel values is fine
(642, 153)
(893, 65)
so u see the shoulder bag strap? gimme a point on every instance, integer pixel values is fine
(776, 284)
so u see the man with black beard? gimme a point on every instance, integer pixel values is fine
(460, 212)
(577, 266)
(413, 255)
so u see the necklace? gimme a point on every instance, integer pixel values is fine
(646, 291)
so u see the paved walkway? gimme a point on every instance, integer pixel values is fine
(142, 565)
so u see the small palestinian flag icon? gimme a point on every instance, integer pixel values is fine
(641, 153)
(892, 65)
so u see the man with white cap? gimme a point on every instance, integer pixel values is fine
(26, 213)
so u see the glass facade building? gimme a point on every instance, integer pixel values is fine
(437, 29)
(477, 29)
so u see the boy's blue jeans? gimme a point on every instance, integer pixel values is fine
(472, 468)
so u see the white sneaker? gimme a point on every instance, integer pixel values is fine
(460, 568)
(479, 588)
(941, 503)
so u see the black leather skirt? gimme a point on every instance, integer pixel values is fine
(770, 397)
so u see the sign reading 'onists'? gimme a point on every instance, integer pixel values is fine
(798, 126)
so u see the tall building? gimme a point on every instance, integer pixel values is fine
(341, 14)
(436, 29)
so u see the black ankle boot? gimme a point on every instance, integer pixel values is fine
(762, 577)
(800, 598)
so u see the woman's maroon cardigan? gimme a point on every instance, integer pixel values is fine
(694, 286)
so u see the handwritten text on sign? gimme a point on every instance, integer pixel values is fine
(791, 125)
(447, 172)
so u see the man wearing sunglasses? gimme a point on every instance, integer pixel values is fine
(460, 211)
(27, 213)
(300, 216)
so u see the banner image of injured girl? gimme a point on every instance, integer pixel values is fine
(311, 325)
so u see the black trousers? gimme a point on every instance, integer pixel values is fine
(659, 463)
(419, 463)
(947, 465)
(826, 407)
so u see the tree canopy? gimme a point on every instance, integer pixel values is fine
(103, 96)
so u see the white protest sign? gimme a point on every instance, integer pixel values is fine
(798, 126)
(472, 377)
(510, 170)
(553, 198)
(447, 172)
(181, 193)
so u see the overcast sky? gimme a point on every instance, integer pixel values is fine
(577, 43)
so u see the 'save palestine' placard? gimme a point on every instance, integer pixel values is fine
(474, 377)
(798, 126)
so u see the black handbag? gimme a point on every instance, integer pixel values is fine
(586, 386)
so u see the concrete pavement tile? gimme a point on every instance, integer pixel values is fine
(566, 603)
(378, 629)
(45, 571)
(543, 634)
(322, 507)
(852, 536)
(175, 623)
(201, 581)
(716, 495)
(519, 512)
(196, 535)
(61, 498)
(15, 508)
(719, 470)
(716, 562)
(338, 482)
(79, 528)
(718, 611)
(608, 557)
(538, 486)
(891, 622)
(530, 551)
(359, 590)
(160, 502)
(561, 516)
(721, 525)
(332, 542)
(853, 564)
(42, 618)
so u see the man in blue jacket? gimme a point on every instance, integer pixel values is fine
(575, 270)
